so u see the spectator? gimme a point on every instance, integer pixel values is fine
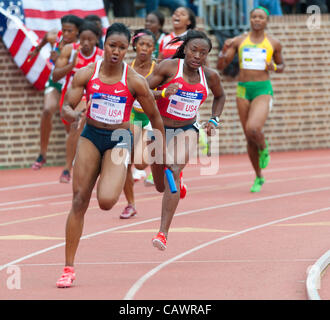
(273, 6)
(121, 8)
(155, 22)
(320, 3)
(182, 19)
(152, 5)
(289, 6)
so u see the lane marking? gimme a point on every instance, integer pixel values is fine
(94, 234)
(305, 224)
(193, 190)
(183, 229)
(32, 185)
(139, 283)
(22, 207)
(28, 237)
(241, 173)
(100, 263)
(2, 204)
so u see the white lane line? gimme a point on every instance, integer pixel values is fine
(230, 204)
(22, 207)
(298, 160)
(139, 283)
(241, 173)
(30, 185)
(219, 176)
(2, 204)
(101, 263)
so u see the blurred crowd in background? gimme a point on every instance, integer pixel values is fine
(140, 8)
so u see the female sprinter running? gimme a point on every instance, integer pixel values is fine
(143, 42)
(58, 39)
(259, 54)
(182, 86)
(104, 146)
(73, 57)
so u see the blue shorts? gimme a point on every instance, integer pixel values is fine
(171, 132)
(104, 139)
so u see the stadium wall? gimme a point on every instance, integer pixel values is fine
(299, 119)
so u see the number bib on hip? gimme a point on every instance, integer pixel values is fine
(254, 58)
(107, 108)
(184, 104)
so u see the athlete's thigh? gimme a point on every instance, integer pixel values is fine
(51, 100)
(259, 111)
(86, 166)
(183, 147)
(243, 107)
(113, 172)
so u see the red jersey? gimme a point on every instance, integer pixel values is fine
(111, 103)
(185, 103)
(82, 61)
(168, 50)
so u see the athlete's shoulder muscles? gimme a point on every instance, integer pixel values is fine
(164, 70)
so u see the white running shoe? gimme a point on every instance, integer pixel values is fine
(138, 174)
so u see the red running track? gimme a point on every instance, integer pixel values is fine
(224, 243)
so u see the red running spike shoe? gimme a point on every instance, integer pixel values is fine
(159, 241)
(67, 278)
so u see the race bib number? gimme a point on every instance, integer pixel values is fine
(254, 58)
(107, 108)
(184, 104)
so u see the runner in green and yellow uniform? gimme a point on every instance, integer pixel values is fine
(259, 53)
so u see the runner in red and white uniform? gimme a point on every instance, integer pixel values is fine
(182, 86)
(104, 147)
(57, 40)
(74, 57)
(183, 19)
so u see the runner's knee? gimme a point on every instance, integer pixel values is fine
(80, 202)
(106, 203)
(253, 133)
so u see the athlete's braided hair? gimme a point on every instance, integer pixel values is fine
(190, 35)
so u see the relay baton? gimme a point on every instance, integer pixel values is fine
(170, 180)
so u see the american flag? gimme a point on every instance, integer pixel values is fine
(99, 109)
(177, 105)
(24, 22)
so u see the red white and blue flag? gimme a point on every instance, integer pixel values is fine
(24, 22)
